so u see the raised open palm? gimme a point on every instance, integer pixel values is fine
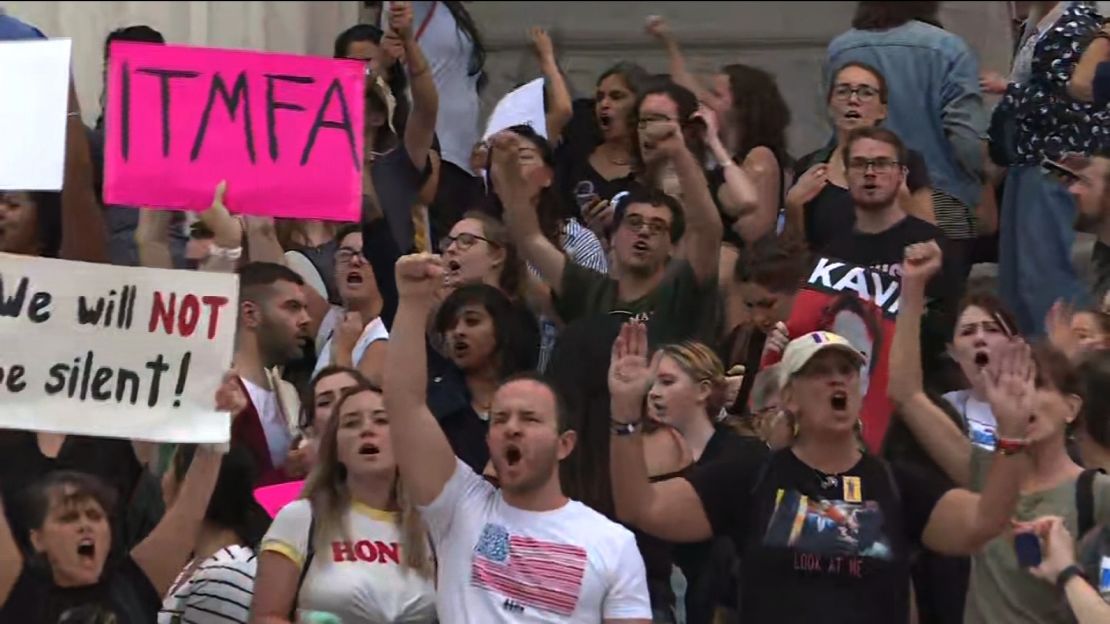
(630, 373)
(1010, 386)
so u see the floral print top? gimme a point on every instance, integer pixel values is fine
(1049, 121)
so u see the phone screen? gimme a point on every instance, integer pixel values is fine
(1027, 546)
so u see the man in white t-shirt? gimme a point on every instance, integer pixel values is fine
(526, 551)
(273, 324)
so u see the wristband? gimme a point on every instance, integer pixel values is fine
(1068, 574)
(233, 253)
(1011, 446)
(625, 429)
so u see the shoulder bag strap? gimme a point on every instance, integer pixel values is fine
(1085, 500)
(310, 554)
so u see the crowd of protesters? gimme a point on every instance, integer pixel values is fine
(650, 368)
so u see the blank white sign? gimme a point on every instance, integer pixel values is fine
(34, 78)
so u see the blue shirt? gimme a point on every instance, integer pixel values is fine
(11, 29)
(935, 105)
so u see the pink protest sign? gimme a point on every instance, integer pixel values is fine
(285, 131)
(273, 497)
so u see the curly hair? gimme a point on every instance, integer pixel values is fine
(758, 109)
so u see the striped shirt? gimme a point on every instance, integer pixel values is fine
(217, 591)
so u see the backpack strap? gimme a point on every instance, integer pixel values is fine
(310, 554)
(1085, 500)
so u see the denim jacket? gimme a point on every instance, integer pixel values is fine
(935, 104)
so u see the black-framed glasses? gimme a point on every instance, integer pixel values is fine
(464, 241)
(880, 165)
(843, 92)
(347, 254)
(636, 223)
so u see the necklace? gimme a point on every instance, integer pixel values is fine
(826, 481)
(619, 161)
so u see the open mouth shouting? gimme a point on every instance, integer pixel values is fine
(605, 120)
(640, 247)
(86, 550)
(369, 449)
(839, 400)
(354, 278)
(982, 359)
(460, 349)
(513, 455)
(853, 115)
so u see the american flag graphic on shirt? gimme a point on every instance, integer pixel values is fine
(534, 573)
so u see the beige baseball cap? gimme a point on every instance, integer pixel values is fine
(802, 349)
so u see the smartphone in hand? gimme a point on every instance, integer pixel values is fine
(1027, 546)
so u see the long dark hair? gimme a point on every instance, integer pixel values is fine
(636, 78)
(465, 23)
(358, 32)
(48, 217)
(878, 15)
(759, 110)
(513, 352)
(232, 505)
(1094, 371)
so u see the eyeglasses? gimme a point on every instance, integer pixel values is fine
(465, 241)
(650, 119)
(346, 255)
(844, 92)
(880, 165)
(655, 227)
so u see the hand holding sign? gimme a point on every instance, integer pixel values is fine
(230, 397)
(227, 230)
(400, 19)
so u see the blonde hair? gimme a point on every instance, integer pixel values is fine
(703, 366)
(326, 490)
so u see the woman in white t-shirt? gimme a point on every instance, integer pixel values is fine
(983, 322)
(353, 546)
(353, 335)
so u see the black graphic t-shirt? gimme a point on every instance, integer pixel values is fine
(819, 548)
(883, 252)
(124, 595)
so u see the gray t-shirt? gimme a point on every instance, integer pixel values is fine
(1000, 590)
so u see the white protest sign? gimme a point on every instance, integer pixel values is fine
(523, 106)
(34, 76)
(114, 351)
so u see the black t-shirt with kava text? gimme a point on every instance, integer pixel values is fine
(819, 548)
